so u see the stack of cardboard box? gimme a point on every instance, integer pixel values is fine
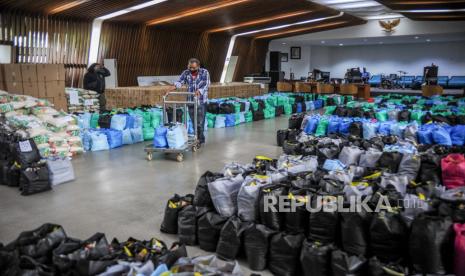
(45, 81)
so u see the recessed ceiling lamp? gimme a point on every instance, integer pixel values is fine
(67, 6)
(428, 40)
(382, 17)
(417, 37)
(208, 8)
(284, 43)
(341, 44)
(357, 5)
(432, 11)
(130, 9)
(302, 29)
(323, 42)
(259, 21)
(381, 42)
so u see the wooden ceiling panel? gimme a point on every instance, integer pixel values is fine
(69, 8)
(406, 5)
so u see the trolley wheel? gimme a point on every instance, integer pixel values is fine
(179, 157)
(149, 156)
(195, 147)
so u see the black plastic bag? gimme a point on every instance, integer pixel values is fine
(26, 153)
(388, 236)
(269, 197)
(279, 111)
(430, 169)
(354, 232)
(331, 186)
(343, 264)
(171, 256)
(170, 218)
(403, 116)
(27, 266)
(209, 227)
(104, 120)
(284, 254)
(213, 108)
(297, 220)
(327, 151)
(34, 179)
(227, 108)
(356, 129)
(292, 134)
(390, 160)
(377, 268)
(187, 225)
(258, 115)
(315, 258)
(431, 244)
(202, 196)
(292, 147)
(256, 244)
(324, 224)
(451, 203)
(281, 136)
(340, 111)
(295, 121)
(230, 240)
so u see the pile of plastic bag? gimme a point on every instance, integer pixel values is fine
(82, 100)
(56, 134)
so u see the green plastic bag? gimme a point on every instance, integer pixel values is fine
(269, 112)
(148, 133)
(237, 118)
(329, 110)
(211, 120)
(248, 117)
(322, 127)
(382, 115)
(254, 105)
(94, 120)
(156, 119)
(291, 100)
(288, 109)
(416, 115)
(282, 100)
(237, 107)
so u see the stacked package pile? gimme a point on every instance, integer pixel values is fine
(48, 250)
(55, 133)
(82, 100)
(413, 222)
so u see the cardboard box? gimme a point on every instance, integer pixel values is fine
(12, 73)
(31, 89)
(284, 86)
(29, 72)
(61, 72)
(55, 88)
(60, 103)
(41, 89)
(14, 87)
(48, 72)
(431, 90)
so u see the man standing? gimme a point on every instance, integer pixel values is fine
(197, 80)
(94, 80)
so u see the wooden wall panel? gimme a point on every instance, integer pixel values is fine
(40, 39)
(252, 56)
(143, 51)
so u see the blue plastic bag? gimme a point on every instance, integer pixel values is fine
(333, 165)
(230, 120)
(118, 122)
(159, 139)
(397, 129)
(318, 104)
(333, 126)
(457, 135)
(370, 129)
(344, 126)
(299, 108)
(86, 140)
(311, 125)
(99, 141)
(127, 137)
(425, 134)
(115, 138)
(129, 121)
(220, 121)
(309, 105)
(84, 120)
(385, 128)
(441, 136)
(138, 120)
(177, 137)
(137, 135)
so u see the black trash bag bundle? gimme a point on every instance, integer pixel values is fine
(307, 180)
(257, 239)
(369, 114)
(38, 243)
(460, 120)
(378, 268)
(170, 256)
(441, 119)
(340, 111)
(344, 264)
(309, 148)
(390, 161)
(187, 225)
(356, 129)
(202, 196)
(389, 139)
(410, 165)
(173, 206)
(292, 147)
(426, 118)
(179, 115)
(262, 164)
(104, 120)
(431, 244)
(403, 116)
(293, 134)
(209, 227)
(227, 108)
(279, 111)
(269, 206)
(229, 244)
(258, 115)
(327, 151)
(12, 175)
(34, 179)
(452, 119)
(134, 250)
(388, 236)
(295, 121)
(330, 101)
(26, 153)
(355, 112)
(324, 223)
(242, 107)
(354, 232)
(89, 257)
(315, 258)
(298, 217)
(389, 194)
(430, 169)
(284, 254)
(281, 136)
(375, 142)
(451, 203)
(25, 265)
(331, 186)
(213, 108)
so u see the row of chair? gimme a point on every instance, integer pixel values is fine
(407, 81)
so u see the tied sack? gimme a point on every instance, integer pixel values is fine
(350, 155)
(61, 171)
(224, 192)
(284, 253)
(209, 227)
(315, 258)
(248, 196)
(369, 158)
(459, 249)
(230, 240)
(177, 137)
(453, 170)
(159, 139)
(256, 244)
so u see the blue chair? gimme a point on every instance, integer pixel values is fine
(456, 82)
(443, 81)
(375, 80)
(406, 81)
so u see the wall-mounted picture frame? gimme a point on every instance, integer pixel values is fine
(284, 57)
(295, 52)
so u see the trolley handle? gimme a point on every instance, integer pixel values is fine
(173, 93)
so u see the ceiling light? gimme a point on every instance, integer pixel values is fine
(428, 40)
(259, 21)
(357, 5)
(284, 43)
(365, 40)
(323, 42)
(432, 11)
(417, 37)
(204, 9)
(67, 6)
(381, 42)
(382, 17)
(341, 44)
(130, 9)
(303, 29)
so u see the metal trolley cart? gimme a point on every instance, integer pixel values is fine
(192, 143)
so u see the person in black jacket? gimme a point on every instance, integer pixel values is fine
(94, 80)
